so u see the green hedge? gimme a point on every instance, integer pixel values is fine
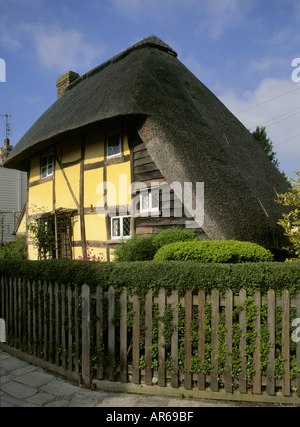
(143, 248)
(219, 251)
(138, 277)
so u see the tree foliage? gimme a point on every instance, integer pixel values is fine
(291, 221)
(260, 134)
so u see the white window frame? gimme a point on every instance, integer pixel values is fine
(150, 194)
(47, 167)
(120, 145)
(121, 227)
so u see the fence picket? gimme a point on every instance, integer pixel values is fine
(214, 338)
(136, 340)
(286, 383)
(111, 334)
(201, 341)
(188, 305)
(242, 321)
(29, 314)
(123, 336)
(174, 341)
(77, 332)
(148, 338)
(15, 331)
(34, 317)
(161, 340)
(45, 323)
(39, 318)
(99, 331)
(228, 339)
(256, 358)
(86, 334)
(63, 329)
(19, 311)
(10, 306)
(271, 355)
(57, 342)
(70, 337)
(50, 323)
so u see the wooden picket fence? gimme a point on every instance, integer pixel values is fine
(45, 326)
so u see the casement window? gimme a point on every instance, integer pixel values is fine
(120, 227)
(113, 144)
(47, 165)
(149, 201)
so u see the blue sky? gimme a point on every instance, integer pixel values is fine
(242, 50)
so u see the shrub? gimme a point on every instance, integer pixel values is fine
(14, 250)
(218, 251)
(144, 248)
(135, 249)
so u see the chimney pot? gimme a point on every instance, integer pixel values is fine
(63, 81)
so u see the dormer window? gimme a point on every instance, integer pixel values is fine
(47, 165)
(113, 145)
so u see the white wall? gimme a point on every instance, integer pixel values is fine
(13, 186)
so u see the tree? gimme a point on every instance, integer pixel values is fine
(291, 221)
(260, 134)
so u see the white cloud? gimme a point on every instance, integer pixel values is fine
(268, 103)
(63, 49)
(222, 15)
(268, 63)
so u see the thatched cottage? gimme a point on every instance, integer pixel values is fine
(100, 158)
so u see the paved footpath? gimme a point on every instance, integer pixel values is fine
(25, 385)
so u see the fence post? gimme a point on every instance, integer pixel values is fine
(86, 334)
(242, 321)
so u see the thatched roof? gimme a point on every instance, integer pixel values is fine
(190, 134)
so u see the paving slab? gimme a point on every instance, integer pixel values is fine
(36, 379)
(7, 401)
(18, 390)
(59, 388)
(12, 363)
(41, 398)
(57, 404)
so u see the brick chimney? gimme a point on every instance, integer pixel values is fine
(4, 152)
(63, 81)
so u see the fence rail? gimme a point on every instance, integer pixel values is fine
(75, 333)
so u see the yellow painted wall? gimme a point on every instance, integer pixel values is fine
(77, 252)
(35, 170)
(94, 146)
(63, 195)
(32, 253)
(22, 226)
(95, 228)
(92, 179)
(41, 196)
(113, 175)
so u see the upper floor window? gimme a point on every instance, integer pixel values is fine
(113, 145)
(149, 201)
(47, 165)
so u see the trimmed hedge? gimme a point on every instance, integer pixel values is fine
(138, 277)
(219, 251)
(143, 248)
